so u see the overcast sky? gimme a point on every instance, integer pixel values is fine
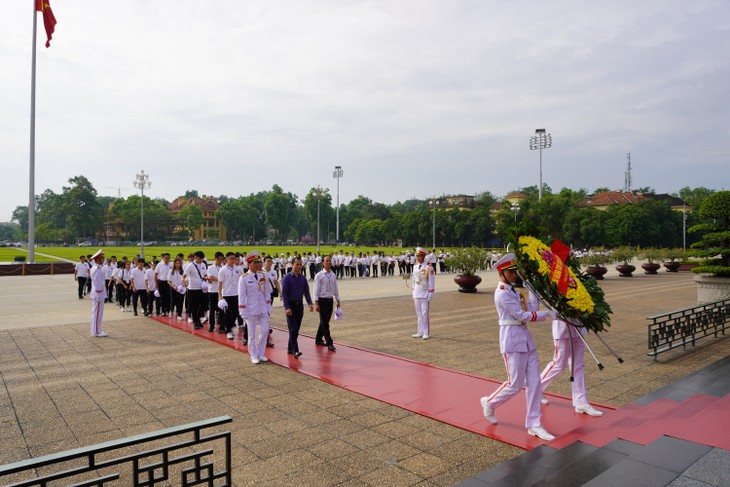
(411, 98)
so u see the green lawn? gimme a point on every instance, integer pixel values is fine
(7, 254)
(73, 253)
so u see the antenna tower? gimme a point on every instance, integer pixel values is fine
(627, 174)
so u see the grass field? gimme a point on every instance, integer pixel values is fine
(73, 253)
(7, 254)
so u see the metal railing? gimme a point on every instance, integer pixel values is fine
(685, 326)
(90, 466)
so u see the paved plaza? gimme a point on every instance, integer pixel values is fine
(62, 389)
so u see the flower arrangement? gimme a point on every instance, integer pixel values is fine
(556, 277)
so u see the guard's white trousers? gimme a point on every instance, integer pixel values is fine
(561, 362)
(258, 333)
(97, 313)
(422, 313)
(522, 371)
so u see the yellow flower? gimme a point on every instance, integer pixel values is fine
(577, 296)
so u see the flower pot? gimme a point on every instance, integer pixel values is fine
(596, 271)
(711, 288)
(650, 267)
(467, 284)
(625, 270)
(672, 266)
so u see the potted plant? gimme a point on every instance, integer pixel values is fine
(670, 259)
(624, 255)
(713, 273)
(595, 262)
(466, 262)
(652, 256)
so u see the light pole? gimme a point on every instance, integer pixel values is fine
(540, 141)
(434, 202)
(141, 181)
(318, 192)
(515, 208)
(337, 174)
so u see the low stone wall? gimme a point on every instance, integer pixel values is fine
(43, 268)
(711, 289)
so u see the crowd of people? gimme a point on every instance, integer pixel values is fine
(237, 290)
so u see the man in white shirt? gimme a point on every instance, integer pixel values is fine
(228, 277)
(195, 277)
(152, 300)
(162, 270)
(139, 287)
(81, 274)
(326, 294)
(213, 309)
(98, 295)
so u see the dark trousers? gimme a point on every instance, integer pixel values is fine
(108, 291)
(231, 314)
(177, 302)
(153, 302)
(325, 315)
(140, 295)
(82, 286)
(213, 309)
(195, 304)
(294, 323)
(164, 295)
(375, 270)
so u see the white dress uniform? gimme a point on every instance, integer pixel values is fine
(254, 301)
(518, 350)
(562, 337)
(424, 284)
(98, 296)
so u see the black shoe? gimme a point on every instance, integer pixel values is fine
(222, 330)
(197, 327)
(211, 329)
(320, 344)
(297, 354)
(290, 352)
(135, 314)
(269, 344)
(331, 348)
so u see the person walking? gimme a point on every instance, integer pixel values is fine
(139, 287)
(228, 277)
(254, 302)
(518, 349)
(81, 275)
(294, 289)
(424, 283)
(194, 275)
(326, 295)
(98, 294)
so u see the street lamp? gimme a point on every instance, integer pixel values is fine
(318, 193)
(540, 141)
(337, 174)
(435, 203)
(515, 208)
(142, 181)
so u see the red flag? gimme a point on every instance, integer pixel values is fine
(558, 271)
(48, 19)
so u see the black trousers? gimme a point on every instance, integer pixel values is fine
(294, 323)
(177, 302)
(164, 295)
(82, 286)
(195, 304)
(139, 295)
(213, 309)
(326, 306)
(228, 319)
(153, 302)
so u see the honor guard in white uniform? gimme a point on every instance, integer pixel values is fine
(563, 334)
(518, 349)
(254, 305)
(98, 294)
(424, 284)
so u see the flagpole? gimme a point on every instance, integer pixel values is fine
(31, 190)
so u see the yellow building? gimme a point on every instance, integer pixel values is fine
(211, 229)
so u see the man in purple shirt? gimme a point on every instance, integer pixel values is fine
(294, 286)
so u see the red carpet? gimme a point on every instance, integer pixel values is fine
(445, 395)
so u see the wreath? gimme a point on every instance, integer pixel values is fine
(555, 276)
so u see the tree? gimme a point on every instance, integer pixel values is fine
(20, 216)
(190, 194)
(326, 211)
(157, 218)
(695, 197)
(243, 218)
(190, 217)
(715, 243)
(83, 212)
(279, 209)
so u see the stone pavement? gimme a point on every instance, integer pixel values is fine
(62, 389)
